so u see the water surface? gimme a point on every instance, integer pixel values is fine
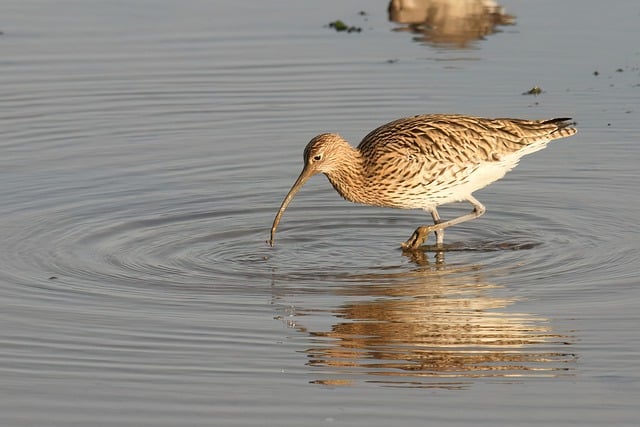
(146, 147)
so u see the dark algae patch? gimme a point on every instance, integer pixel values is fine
(340, 26)
(536, 90)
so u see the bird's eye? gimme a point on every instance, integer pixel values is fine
(317, 157)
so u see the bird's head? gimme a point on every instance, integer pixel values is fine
(321, 155)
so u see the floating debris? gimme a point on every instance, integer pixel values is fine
(340, 26)
(619, 70)
(596, 73)
(536, 90)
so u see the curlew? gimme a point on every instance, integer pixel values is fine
(423, 162)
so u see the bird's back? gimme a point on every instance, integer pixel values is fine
(428, 160)
(458, 138)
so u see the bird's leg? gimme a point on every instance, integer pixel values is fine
(439, 232)
(419, 236)
(439, 237)
(478, 210)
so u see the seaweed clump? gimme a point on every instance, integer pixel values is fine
(536, 90)
(340, 26)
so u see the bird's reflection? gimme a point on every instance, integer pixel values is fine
(452, 23)
(435, 326)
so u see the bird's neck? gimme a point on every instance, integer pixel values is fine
(348, 176)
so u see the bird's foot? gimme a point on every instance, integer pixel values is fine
(417, 238)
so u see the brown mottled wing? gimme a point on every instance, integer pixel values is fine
(453, 140)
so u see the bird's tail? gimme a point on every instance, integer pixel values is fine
(564, 127)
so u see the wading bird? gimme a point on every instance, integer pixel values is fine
(423, 162)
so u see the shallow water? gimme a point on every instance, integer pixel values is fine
(147, 146)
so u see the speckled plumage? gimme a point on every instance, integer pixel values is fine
(425, 161)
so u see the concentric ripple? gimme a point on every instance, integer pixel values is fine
(176, 241)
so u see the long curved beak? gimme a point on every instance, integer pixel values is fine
(304, 176)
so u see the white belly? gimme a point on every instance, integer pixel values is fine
(457, 184)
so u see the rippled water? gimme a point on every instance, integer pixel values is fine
(146, 147)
